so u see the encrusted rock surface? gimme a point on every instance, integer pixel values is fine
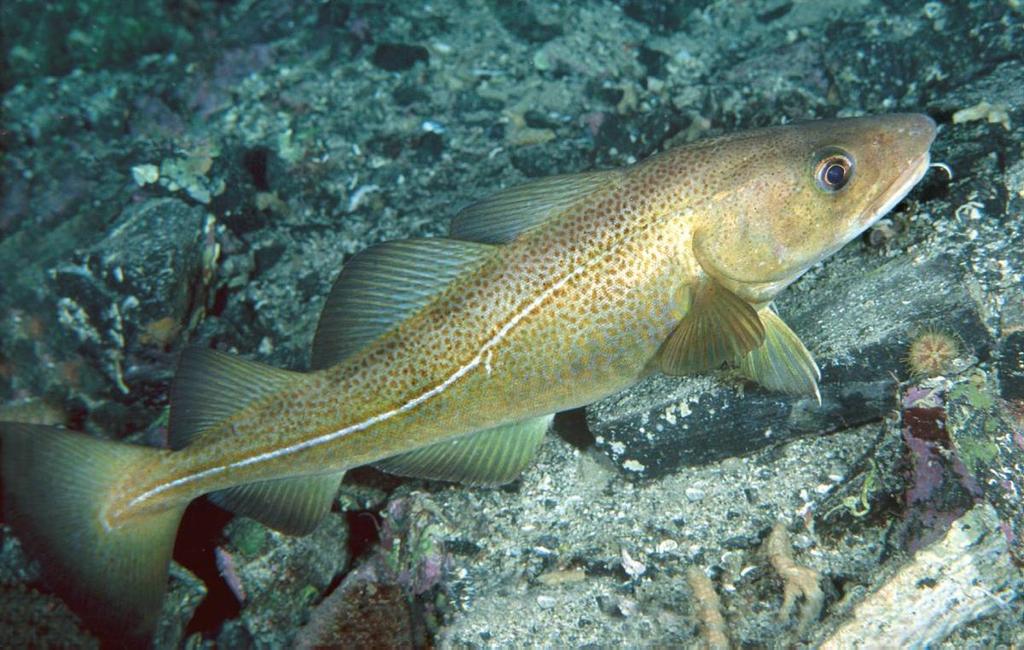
(277, 578)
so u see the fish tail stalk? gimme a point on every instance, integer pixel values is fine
(58, 486)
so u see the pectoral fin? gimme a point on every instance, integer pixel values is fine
(719, 326)
(782, 362)
(490, 457)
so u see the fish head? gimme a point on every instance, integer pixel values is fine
(795, 194)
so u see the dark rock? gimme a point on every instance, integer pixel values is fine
(395, 57)
(858, 322)
(407, 94)
(653, 61)
(462, 547)
(390, 145)
(1011, 366)
(664, 17)
(775, 13)
(627, 139)
(267, 256)
(976, 37)
(602, 91)
(741, 542)
(333, 13)
(467, 103)
(429, 146)
(521, 19)
(537, 161)
(131, 295)
(542, 119)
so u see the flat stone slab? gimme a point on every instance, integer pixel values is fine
(857, 322)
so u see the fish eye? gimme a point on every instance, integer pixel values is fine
(834, 171)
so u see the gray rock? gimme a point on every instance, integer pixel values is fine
(383, 601)
(184, 595)
(277, 577)
(857, 323)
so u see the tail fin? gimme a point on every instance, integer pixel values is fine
(56, 484)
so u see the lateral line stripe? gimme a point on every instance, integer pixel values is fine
(380, 417)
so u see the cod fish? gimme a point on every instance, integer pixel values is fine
(446, 358)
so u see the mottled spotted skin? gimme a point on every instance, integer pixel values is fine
(567, 313)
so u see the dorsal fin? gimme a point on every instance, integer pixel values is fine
(719, 326)
(210, 386)
(509, 213)
(489, 457)
(382, 285)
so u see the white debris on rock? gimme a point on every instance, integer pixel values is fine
(957, 580)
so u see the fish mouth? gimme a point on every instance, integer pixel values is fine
(897, 190)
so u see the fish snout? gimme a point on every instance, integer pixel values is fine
(918, 128)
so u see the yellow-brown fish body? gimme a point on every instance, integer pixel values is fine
(561, 292)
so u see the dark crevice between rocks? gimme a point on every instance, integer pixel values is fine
(571, 426)
(364, 528)
(363, 532)
(934, 186)
(201, 531)
(219, 302)
(255, 161)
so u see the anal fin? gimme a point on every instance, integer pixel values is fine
(489, 457)
(293, 505)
